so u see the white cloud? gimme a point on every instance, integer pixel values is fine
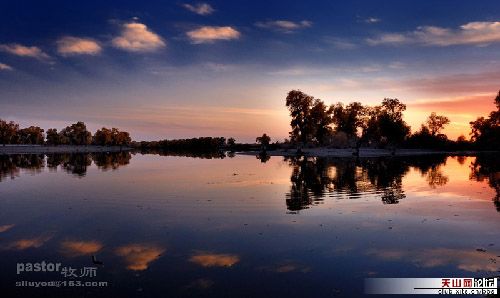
(372, 20)
(284, 25)
(208, 34)
(69, 45)
(340, 43)
(4, 66)
(473, 33)
(397, 65)
(24, 51)
(136, 37)
(199, 8)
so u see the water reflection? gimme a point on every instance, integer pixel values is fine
(180, 227)
(487, 167)
(10, 165)
(5, 228)
(193, 154)
(207, 259)
(139, 256)
(76, 164)
(80, 248)
(464, 259)
(26, 243)
(314, 178)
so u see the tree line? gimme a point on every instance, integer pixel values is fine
(74, 134)
(356, 125)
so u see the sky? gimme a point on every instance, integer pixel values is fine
(177, 69)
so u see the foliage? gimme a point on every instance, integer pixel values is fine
(299, 104)
(348, 119)
(75, 134)
(8, 130)
(486, 131)
(31, 135)
(311, 118)
(111, 137)
(436, 123)
(263, 140)
(385, 125)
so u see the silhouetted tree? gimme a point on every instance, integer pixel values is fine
(231, 143)
(264, 141)
(436, 123)
(348, 119)
(321, 119)
(486, 131)
(299, 104)
(386, 125)
(424, 139)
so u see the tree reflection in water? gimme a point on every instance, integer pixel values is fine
(313, 178)
(76, 164)
(487, 167)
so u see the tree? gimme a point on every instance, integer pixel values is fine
(385, 125)
(31, 135)
(111, 137)
(8, 130)
(348, 119)
(53, 137)
(264, 141)
(103, 137)
(436, 123)
(299, 104)
(120, 138)
(231, 143)
(485, 132)
(321, 119)
(76, 134)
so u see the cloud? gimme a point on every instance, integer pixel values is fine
(69, 45)
(136, 37)
(80, 248)
(473, 33)
(209, 34)
(284, 25)
(199, 8)
(460, 83)
(24, 51)
(340, 43)
(473, 104)
(372, 20)
(214, 260)
(138, 256)
(4, 66)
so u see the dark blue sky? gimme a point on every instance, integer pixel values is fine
(142, 65)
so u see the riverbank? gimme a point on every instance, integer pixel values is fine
(364, 152)
(39, 149)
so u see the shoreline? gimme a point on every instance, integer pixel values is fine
(41, 149)
(325, 152)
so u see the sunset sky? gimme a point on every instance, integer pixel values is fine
(172, 69)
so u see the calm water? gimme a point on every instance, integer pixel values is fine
(179, 226)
